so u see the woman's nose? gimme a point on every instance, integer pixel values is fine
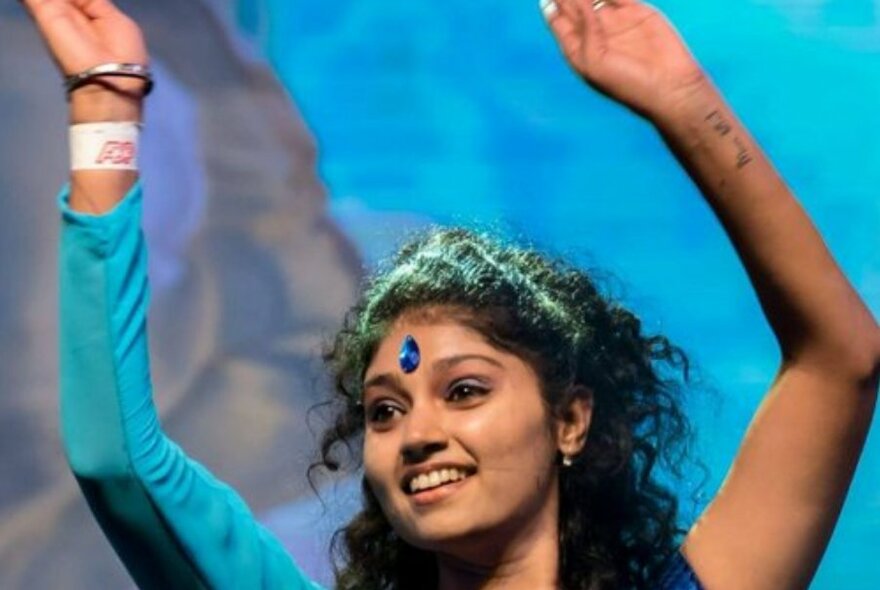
(424, 435)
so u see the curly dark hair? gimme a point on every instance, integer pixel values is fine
(618, 512)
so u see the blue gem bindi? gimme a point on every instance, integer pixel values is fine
(409, 355)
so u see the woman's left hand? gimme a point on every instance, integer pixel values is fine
(628, 51)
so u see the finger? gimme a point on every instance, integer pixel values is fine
(550, 10)
(595, 41)
(599, 5)
(97, 8)
(66, 31)
(556, 11)
(565, 21)
(35, 6)
(569, 9)
(47, 13)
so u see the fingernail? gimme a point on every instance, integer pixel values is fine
(549, 8)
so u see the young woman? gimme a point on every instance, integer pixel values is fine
(510, 416)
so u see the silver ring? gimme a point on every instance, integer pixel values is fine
(599, 4)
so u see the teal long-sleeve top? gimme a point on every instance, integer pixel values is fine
(171, 522)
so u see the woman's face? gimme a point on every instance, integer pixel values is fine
(460, 451)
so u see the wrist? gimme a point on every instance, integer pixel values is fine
(99, 103)
(704, 128)
(688, 108)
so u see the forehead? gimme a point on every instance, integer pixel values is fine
(437, 336)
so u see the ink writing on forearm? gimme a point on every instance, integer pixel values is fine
(723, 128)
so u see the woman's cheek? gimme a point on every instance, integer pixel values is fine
(509, 439)
(378, 467)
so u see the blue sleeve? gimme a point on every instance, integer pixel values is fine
(678, 575)
(171, 522)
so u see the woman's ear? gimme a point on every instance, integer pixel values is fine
(573, 421)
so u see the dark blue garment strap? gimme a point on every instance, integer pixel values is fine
(679, 575)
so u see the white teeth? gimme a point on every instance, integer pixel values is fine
(435, 478)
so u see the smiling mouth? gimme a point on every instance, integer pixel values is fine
(436, 478)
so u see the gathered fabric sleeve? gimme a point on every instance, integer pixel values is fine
(170, 521)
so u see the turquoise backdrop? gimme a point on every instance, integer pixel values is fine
(461, 112)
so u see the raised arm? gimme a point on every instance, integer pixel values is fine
(81, 34)
(171, 522)
(771, 521)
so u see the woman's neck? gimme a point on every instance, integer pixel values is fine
(527, 559)
(534, 571)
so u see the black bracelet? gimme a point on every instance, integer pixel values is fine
(74, 81)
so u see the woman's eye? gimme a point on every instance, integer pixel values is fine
(465, 390)
(382, 413)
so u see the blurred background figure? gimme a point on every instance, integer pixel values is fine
(448, 112)
(249, 276)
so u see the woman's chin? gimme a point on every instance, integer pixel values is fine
(447, 531)
(437, 532)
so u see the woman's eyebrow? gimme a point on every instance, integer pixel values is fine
(392, 381)
(388, 380)
(451, 361)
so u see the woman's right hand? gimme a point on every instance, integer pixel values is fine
(81, 34)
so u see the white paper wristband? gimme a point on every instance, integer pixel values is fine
(104, 146)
